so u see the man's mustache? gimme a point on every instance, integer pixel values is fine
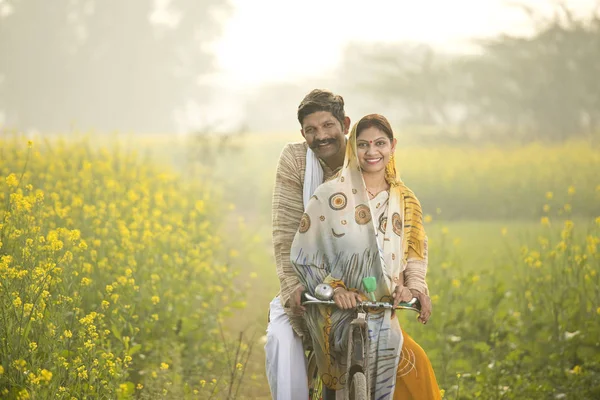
(317, 143)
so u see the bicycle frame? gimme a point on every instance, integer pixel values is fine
(357, 385)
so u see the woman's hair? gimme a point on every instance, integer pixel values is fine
(375, 121)
(322, 100)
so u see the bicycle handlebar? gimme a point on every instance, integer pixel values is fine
(412, 305)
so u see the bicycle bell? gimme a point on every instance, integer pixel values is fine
(324, 292)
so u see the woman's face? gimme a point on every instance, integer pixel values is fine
(374, 150)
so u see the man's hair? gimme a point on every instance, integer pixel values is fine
(322, 100)
(375, 121)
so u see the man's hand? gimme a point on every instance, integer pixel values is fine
(345, 299)
(296, 301)
(425, 305)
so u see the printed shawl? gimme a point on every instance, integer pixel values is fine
(338, 243)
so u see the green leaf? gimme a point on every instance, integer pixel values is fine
(135, 349)
(483, 347)
(115, 331)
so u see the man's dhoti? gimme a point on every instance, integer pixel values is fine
(285, 359)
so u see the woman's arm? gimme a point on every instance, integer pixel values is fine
(415, 279)
(415, 273)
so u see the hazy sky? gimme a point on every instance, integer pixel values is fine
(300, 42)
(275, 40)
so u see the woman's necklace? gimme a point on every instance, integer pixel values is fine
(372, 196)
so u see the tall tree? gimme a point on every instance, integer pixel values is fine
(411, 80)
(543, 86)
(105, 64)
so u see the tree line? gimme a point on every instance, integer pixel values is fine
(540, 87)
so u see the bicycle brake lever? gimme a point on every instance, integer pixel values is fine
(412, 302)
(305, 296)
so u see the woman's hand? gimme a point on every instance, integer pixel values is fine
(425, 306)
(345, 299)
(401, 294)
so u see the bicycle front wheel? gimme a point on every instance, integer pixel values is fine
(315, 386)
(358, 387)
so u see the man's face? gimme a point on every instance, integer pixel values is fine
(324, 134)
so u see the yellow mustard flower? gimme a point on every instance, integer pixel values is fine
(46, 375)
(12, 181)
(545, 221)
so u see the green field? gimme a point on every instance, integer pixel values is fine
(129, 266)
(479, 254)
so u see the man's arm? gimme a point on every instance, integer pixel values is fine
(287, 211)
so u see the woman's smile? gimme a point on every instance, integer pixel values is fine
(373, 161)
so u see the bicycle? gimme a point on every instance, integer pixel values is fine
(358, 345)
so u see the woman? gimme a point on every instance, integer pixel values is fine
(366, 222)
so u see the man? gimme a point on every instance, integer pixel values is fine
(302, 167)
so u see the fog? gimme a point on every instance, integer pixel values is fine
(502, 70)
